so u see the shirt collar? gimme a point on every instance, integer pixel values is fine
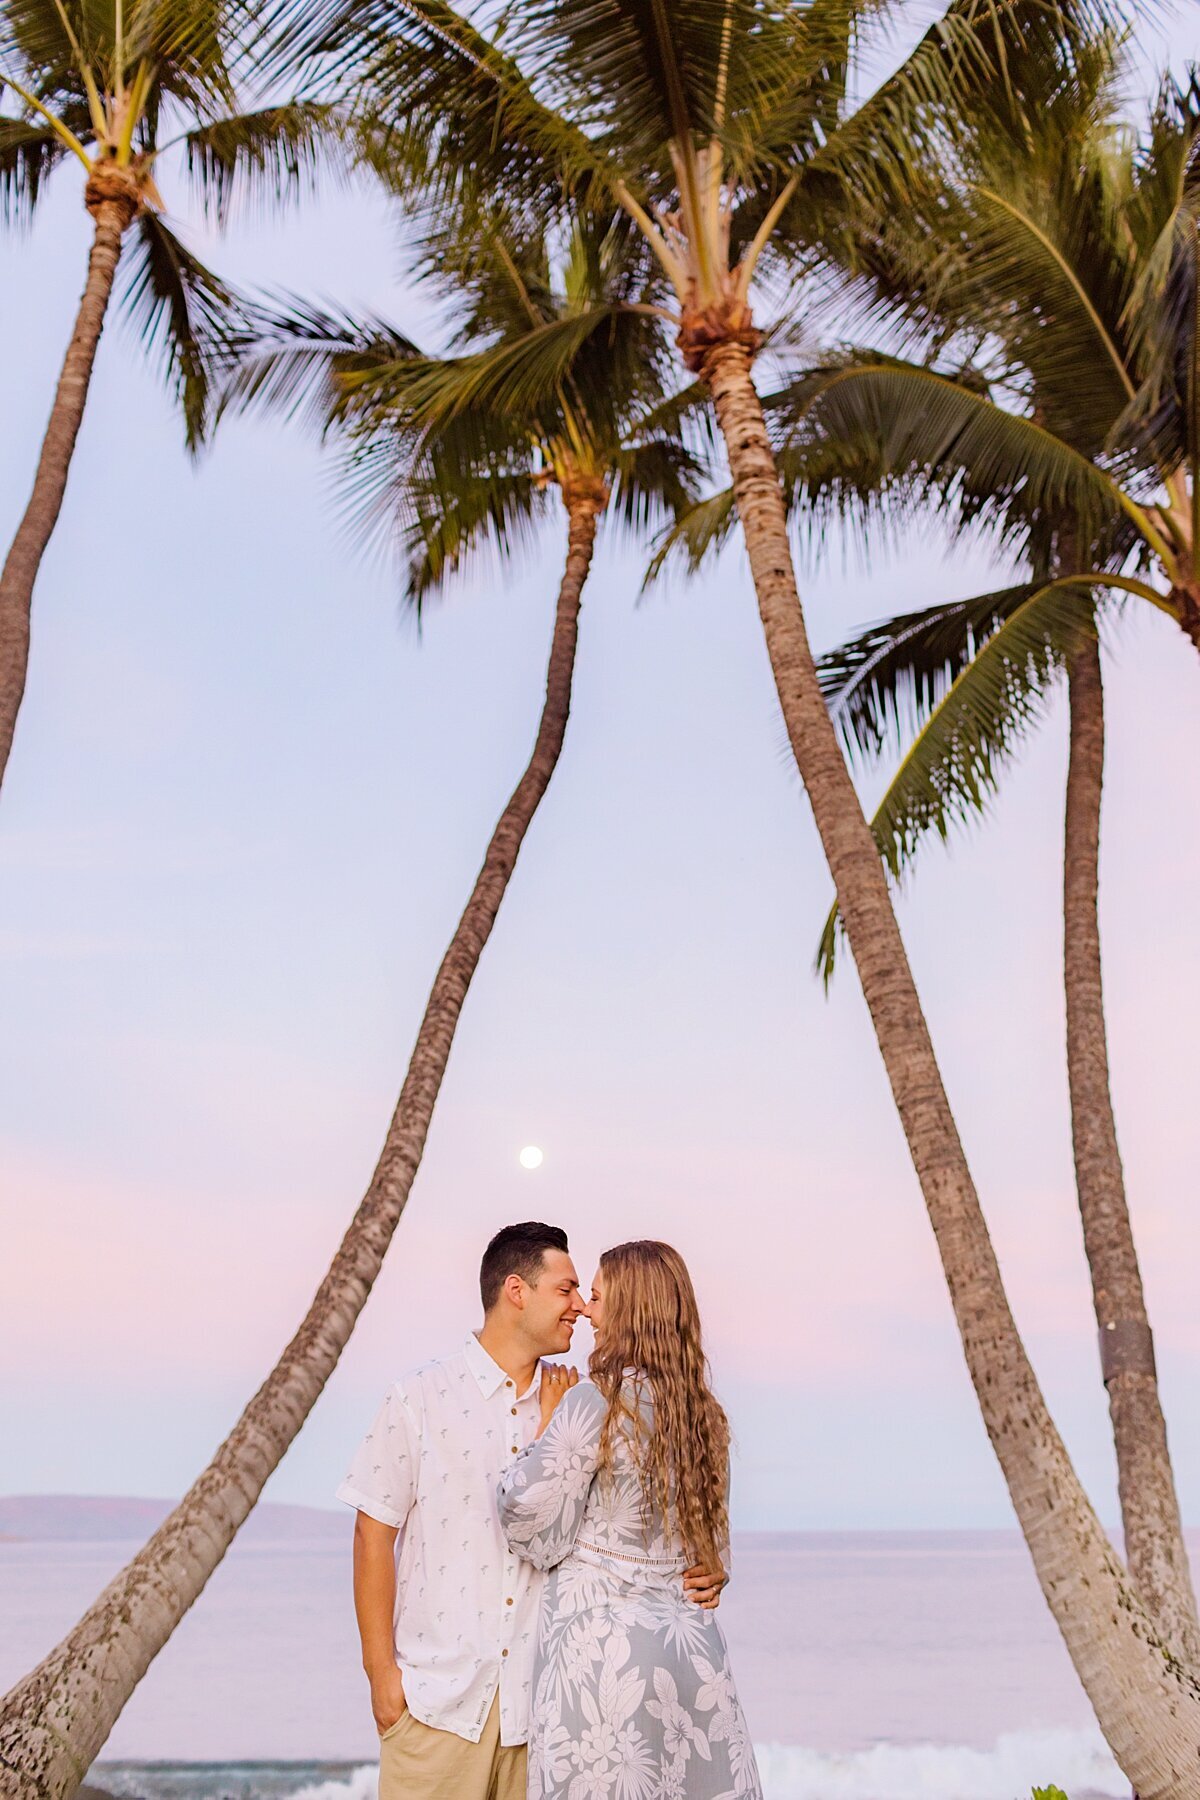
(487, 1371)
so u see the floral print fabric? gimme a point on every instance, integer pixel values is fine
(633, 1698)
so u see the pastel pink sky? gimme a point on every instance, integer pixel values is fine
(244, 810)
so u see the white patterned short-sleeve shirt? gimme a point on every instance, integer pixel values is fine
(467, 1608)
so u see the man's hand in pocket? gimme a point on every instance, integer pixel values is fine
(387, 1699)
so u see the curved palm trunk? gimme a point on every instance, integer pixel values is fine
(112, 213)
(1147, 1703)
(53, 1723)
(1154, 1545)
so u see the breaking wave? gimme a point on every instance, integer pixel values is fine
(1076, 1761)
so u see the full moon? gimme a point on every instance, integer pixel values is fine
(530, 1157)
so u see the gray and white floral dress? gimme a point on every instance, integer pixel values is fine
(633, 1698)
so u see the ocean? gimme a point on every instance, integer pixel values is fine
(872, 1666)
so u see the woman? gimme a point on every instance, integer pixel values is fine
(624, 1487)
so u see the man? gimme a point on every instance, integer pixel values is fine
(448, 1617)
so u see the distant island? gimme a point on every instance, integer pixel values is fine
(98, 1519)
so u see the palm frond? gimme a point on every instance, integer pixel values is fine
(881, 154)
(183, 313)
(1162, 422)
(187, 43)
(908, 422)
(438, 523)
(695, 534)
(970, 703)
(883, 685)
(684, 412)
(27, 155)
(277, 151)
(36, 39)
(1037, 269)
(437, 100)
(287, 359)
(523, 376)
(644, 76)
(653, 481)
(882, 199)
(776, 125)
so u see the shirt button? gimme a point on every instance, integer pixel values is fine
(514, 1412)
(504, 1653)
(508, 1602)
(508, 1384)
(515, 1451)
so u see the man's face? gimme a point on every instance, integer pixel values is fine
(552, 1305)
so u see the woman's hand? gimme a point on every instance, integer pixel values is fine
(556, 1379)
(703, 1586)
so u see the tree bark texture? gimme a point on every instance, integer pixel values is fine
(55, 1720)
(111, 217)
(1185, 597)
(1154, 1543)
(1146, 1701)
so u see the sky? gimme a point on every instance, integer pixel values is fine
(244, 809)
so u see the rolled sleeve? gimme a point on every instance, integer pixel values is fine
(382, 1478)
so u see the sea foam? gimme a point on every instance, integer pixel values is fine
(1077, 1761)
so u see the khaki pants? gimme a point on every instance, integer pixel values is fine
(418, 1763)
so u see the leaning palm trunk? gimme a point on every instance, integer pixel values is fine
(1154, 1545)
(112, 209)
(1147, 1703)
(53, 1723)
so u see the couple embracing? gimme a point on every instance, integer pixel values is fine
(538, 1559)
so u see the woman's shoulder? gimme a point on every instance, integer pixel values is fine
(584, 1397)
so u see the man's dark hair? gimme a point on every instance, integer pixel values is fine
(517, 1250)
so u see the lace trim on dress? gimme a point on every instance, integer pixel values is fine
(657, 1562)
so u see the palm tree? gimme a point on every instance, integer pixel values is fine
(431, 460)
(1104, 226)
(960, 686)
(1074, 212)
(105, 84)
(721, 129)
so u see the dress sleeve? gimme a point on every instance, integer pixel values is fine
(542, 1495)
(382, 1480)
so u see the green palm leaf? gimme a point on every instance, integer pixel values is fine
(882, 155)
(439, 102)
(443, 456)
(276, 152)
(186, 43)
(916, 424)
(36, 37)
(882, 686)
(183, 313)
(28, 153)
(970, 680)
(286, 359)
(644, 74)
(696, 533)
(1037, 269)
(440, 519)
(1162, 422)
(518, 376)
(653, 481)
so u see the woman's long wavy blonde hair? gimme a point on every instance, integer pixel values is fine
(652, 1325)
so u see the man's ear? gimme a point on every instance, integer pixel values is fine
(514, 1287)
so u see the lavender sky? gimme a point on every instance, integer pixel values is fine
(244, 809)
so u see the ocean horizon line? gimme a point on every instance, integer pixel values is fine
(112, 1518)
